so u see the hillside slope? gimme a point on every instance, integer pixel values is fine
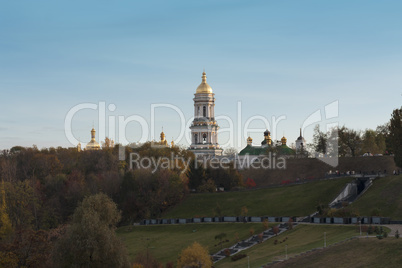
(356, 253)
(384, 196)
(293, 200)
(307, 168)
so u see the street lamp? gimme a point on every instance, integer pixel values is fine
(286, 248)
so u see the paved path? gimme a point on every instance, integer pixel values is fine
(393, 228)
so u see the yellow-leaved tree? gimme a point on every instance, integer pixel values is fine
(5, 223)
(194, 256)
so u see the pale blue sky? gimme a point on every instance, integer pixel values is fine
(276, 57)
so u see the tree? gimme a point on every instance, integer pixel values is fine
(395, 135)
(207, 187)
(230, 152)
(275, 230)
(320, 140)
(265, 224)
(250, 183)
(372, 142)
(196, 175)
(220, 237)
(21, 204)
(91, 241)
(30, 248)
(194, 256)
(349, 141)
(251, 231)
(146, 260)
(244, 211)
(5, 223)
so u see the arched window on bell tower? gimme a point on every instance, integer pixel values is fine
(204, 111)
(195, 138)
(204, 137)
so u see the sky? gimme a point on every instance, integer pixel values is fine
(61, 62)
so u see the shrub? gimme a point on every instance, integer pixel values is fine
(397, 234)
(379, 236)
(251, 231)
(290, 224)
(375, 212)
(238, 257)
(237, 238)
(275, 229)
(226, 252)
(265, 224)
(260, 237)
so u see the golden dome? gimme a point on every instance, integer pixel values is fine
(249, 141)
(204, 87)
(283, 140)
(93, 144)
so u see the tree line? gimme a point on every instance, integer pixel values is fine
(41, 190)
(384, 140)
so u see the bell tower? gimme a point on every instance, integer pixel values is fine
(204, 129)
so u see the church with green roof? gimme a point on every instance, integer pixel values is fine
(252, 153)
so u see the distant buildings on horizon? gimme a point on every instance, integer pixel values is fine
(204, 131)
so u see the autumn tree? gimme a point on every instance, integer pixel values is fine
(251, 231)
(194, 256)
(22, 204)
(265, 224)
(244, 211)
(5, 223)
(91, 240)
(29, 248)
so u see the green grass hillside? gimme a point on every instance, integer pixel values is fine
(165, 242)
(294, 200)
(300, 239)
(385, 196)
(356, 253)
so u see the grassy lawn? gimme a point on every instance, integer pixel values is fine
(294, 200)
(300, 239)
(165, 242)
(385, 195)
(356, 253)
